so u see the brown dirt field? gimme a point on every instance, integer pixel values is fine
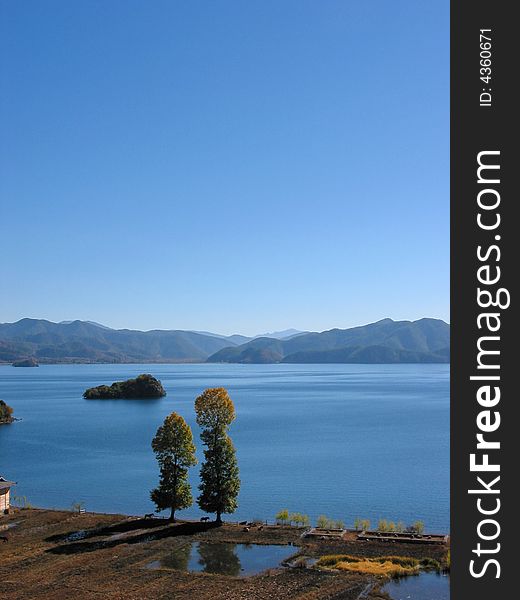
(40, 560)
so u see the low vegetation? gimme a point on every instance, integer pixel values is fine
(21, 502)
(323, 522)
(361, 524)
(383, 566)
(385, 526)
(284, 517)
(143, 386)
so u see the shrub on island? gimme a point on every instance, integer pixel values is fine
(143, 386)
(6, 413)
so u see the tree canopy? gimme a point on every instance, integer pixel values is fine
(215, 409)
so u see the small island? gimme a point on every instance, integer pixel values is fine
(6, 413)
(26, 362)
(143, 386)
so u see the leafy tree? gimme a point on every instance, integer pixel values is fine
(220, 482)
(418, 527)
(357, 523)
(299, 520)
(382, 525)
(339, 524)
(323, 522)
(282, 516)
(365, 525)
(175, 452)
(400, 527)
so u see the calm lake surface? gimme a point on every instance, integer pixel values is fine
(426, 586)
(341, 440)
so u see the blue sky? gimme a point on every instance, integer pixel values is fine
(227, 166)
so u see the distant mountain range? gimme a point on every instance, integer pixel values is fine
(386, 341)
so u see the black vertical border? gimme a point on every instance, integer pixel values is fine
(475, 129)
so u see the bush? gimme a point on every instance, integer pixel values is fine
(282, 516)
(21, 502)
(382, 525)
(431, 563)
(417, 527)
(323, 522)
(365, 524)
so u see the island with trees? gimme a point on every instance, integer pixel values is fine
(144, 386)
(6, 413)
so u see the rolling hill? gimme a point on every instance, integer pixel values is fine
(81, 341)
(387, 341)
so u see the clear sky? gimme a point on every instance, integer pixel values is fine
(233, 166)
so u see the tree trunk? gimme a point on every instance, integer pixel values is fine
(172, 515)
(218, 519)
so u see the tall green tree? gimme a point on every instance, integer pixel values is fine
(175, 452)
(220, 482)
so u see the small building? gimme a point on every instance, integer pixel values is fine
(5, 490)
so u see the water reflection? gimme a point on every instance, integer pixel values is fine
(223, 558)
(179, 559)
(219, 558)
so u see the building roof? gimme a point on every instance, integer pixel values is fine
(5, 484)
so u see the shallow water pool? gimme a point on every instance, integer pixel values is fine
(426, 586)
(237, 560)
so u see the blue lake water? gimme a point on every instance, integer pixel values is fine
(342, 440)
(426, 586)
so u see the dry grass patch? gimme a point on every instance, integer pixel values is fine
(383, 566)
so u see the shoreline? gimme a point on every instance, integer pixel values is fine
(74, 551)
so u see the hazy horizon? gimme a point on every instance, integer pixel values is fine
(255, 333)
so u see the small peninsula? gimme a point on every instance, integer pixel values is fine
(143, 386)
(6, 413)
(26, 362)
